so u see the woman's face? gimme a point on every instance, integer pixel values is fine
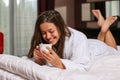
(50, 33)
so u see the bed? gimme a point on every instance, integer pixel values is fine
(22, 68)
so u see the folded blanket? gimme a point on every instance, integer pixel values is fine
(5, 75)
(106, 68)
(29, 70)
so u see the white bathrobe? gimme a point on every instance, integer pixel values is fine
(79, 52)
(76, 51)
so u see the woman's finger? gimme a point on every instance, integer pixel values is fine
(46, 55)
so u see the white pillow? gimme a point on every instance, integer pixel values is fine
(27, 68)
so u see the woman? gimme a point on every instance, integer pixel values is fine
(70, 47)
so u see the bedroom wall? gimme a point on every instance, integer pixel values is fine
(66, 8)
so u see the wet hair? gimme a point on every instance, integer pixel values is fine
(51, 16)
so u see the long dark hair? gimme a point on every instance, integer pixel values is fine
(54, 17)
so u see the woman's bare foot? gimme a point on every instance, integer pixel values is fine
(99, 16)
(109, 21)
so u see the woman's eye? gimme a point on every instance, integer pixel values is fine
(51, 31)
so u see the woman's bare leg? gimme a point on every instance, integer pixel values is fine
(100, 22)
(109, 39)
(105, 34)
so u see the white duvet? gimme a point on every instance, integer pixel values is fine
(16, 68)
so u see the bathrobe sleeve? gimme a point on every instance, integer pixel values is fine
(76, 52)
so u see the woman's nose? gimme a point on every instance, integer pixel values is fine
(48, 35)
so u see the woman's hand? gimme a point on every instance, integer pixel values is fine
(52, 58)
(38, 56)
